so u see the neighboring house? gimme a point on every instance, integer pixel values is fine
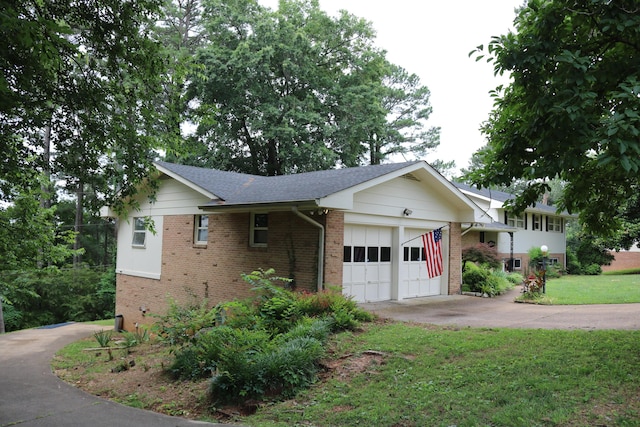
(358, 228)
(513, 235)
(624, 259)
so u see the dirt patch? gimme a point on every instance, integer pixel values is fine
(140, 379)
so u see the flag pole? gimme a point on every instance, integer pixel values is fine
(411, 240)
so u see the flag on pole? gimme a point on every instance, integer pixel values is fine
(432, 242)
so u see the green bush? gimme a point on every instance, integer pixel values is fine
(180, 324)
(237, 314)
(268, 346)
(592, 270)
(515, 278)
(480, 254)
(216, 348)
(475, 277)
(278, 372)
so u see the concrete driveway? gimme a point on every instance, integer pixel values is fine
(503, 312)
(31, 395)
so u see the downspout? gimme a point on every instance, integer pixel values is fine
(295, 210)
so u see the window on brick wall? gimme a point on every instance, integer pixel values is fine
(259, 229)
(139, 232)
(201, 229)
(517, 264)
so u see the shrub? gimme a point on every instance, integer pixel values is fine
(515, 278)
(180, 324)
(475, 277)
(237, 314)
(480, 254)
(281, 371)
(592, 270)
(216, 348)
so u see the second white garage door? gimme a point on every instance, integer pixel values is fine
(367, 263)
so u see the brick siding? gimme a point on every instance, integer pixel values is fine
(455, 258)
(623, 261)
(191, 274)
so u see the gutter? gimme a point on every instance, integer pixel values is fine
(295, 210)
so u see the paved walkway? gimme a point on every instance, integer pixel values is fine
(31, 395)
(503, 312)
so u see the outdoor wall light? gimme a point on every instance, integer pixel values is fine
(407, 212)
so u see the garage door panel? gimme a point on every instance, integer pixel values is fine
(367, 273)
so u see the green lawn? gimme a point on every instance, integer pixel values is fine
(603, 289)
(473, 377)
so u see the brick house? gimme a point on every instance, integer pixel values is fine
(512, 235)
(358, 228)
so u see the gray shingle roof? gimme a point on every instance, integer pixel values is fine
(240, 189)
(501, 196)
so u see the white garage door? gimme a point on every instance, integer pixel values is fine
(367, 263)
(415, 279)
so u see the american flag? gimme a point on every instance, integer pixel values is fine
(432, 242)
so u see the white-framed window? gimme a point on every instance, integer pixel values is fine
(201, 229)
(554, 224)
(259, 229)
(516, 221)
(517, 264)
(139, 232)
(537, 221)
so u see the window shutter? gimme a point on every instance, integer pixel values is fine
(506, 217)
(546, 223)
(562, 225)
(525, 220)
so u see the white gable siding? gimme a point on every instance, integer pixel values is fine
(172, 198)
(139, 261)
(392, 197)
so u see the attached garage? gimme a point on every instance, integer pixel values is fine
(367, 262)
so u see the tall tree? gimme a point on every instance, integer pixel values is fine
(571, 109)
(78, 75)
(295, 90)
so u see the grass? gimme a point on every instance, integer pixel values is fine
(603, 289)
(472, 377)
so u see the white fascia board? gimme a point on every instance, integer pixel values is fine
(186, 182)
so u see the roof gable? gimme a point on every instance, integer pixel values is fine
(502, 197)
(332, 188)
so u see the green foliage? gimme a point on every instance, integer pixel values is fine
(475, 277)
(266, 347)
(491, 282)
(295, 89)
(181, 323)
(570, 110)
(132, 339)
(626, 271)
(281, 371)
(54, 295)
(480, 254)
(218, 348)
(585, 252)
(103, 338)
(81, 76)
(515, 278)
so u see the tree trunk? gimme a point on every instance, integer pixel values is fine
(77, 258)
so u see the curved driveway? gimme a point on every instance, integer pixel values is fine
(503, 312)
(31, 395)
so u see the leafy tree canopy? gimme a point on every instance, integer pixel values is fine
(77, 76)
(295, 90)
(571, 110)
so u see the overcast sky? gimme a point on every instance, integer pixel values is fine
(432, 38)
